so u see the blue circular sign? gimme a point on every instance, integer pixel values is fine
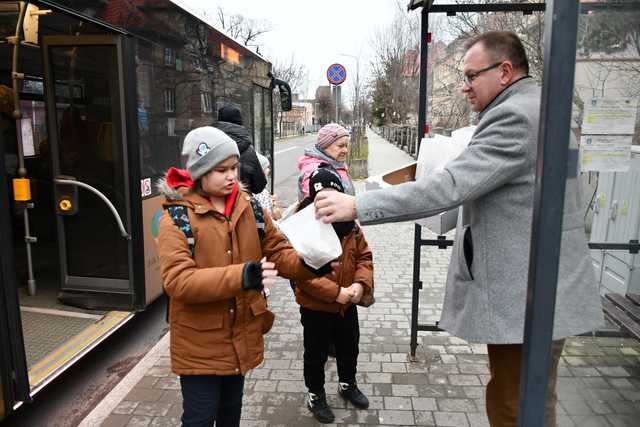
(336, 74)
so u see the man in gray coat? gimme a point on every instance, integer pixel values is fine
(493, 180)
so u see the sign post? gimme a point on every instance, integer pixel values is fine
(336, 74)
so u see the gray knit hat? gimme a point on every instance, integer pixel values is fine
(204, 148)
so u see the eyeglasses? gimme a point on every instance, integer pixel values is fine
(469, 78)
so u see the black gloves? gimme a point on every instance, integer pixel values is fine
(252, 276)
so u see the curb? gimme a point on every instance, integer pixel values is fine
(115, 396)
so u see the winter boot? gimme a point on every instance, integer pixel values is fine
(352, 393)
(317, 404)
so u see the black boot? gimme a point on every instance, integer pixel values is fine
(352, 393)
(317, 404)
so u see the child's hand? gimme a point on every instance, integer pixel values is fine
(276, 213)
(345, 295)
(269, 273)
(358, 290)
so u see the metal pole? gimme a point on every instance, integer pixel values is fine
(561, 22)
(415, 295)
(424, 50)
(22, 171)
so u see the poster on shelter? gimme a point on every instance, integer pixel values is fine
(605, 153)
(609, 116)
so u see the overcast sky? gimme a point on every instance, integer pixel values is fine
(315, 31)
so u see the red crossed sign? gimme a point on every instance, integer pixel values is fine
(336, 74)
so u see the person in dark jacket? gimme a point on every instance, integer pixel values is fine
(251, 174)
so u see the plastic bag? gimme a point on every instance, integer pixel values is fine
(315, 241)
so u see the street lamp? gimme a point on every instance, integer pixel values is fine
(358, 108)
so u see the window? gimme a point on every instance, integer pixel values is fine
(169, 56)
(207, 106)
(229, 54)
(169, 100)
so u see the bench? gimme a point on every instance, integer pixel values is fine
(624, 311)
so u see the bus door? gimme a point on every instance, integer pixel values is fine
(83, 77)
(14, 383)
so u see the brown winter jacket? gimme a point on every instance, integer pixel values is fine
(216, 326)
(356, 265)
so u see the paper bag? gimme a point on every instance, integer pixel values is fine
(315, 241)
(439, 150)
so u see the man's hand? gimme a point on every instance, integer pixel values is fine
(333, 206)
(269, 273)
(345, 295)
(358, 290)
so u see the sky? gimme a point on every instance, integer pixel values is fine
(315, 31)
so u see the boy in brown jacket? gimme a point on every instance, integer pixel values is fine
(328, 312)
(213, 261)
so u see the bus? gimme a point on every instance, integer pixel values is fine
(96, 98)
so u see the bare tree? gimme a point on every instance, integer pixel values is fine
(246, 30)
(395, 69)
(292, 72)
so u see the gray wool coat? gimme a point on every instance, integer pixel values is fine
(493, 180)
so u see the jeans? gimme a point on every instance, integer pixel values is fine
(209, 398)
(320, 328)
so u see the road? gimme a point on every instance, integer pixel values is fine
(66, 401)
(287, 152)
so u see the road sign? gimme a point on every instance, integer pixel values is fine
(336, 74)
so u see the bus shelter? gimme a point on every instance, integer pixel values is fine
(576, 40)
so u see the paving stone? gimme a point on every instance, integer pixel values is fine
(478, 419)
(138, 394)
(464, 380)
(600, 408)
(139, 421)
(125, 407)
(398, 403)
(576, 407)
(453, 419)
(623, 420)
(404, 390)
(116, 420)
(394, 367)
(165, 422)
(152, 409)
(456, 405)
(613, 371)
(424, 418)
(590, 421)
(424, 403)
(402, 418)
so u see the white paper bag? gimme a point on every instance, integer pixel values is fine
(439, 150)
(314, 240)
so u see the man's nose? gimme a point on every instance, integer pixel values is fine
(466, 87)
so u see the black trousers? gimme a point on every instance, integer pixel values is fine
(209, 398)
(320, 328)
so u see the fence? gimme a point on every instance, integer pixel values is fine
(405, 137)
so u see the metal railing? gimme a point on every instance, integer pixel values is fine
(404, 137)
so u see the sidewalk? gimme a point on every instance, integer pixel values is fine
(598, 385)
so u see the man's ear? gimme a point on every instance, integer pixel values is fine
(507, 73)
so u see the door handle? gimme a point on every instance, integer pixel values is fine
(116, 215)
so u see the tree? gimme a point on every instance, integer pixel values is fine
(292, 72)
(395, 70)
(246, 30)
